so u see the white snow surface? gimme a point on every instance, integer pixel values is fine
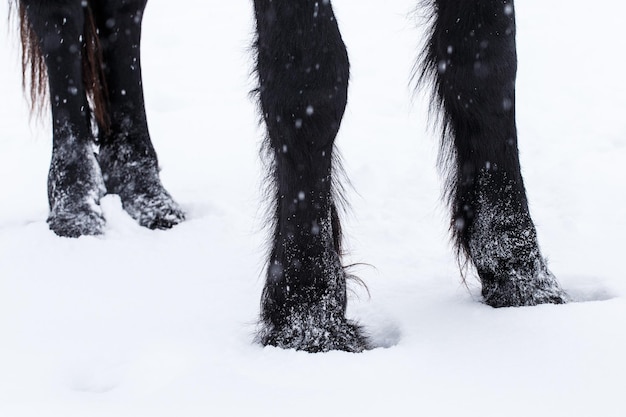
(160, 323)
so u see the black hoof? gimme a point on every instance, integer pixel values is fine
(84, 221)
(154, 211)
(310, 336)
(515, 291)
(75, 186)
(136, 180)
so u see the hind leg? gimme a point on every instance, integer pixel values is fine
(471, 56)
(303, 69)
(74, 181)
(127, 158)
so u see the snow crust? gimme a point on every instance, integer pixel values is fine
(139, 322)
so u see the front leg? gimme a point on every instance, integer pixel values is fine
(471, 61)
(303, 70)
(75, 182)
(127, 158)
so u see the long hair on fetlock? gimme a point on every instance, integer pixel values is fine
(35, 72)
(426, 79)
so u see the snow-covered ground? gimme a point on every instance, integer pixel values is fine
(160, 323)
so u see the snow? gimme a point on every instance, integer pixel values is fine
(160, 323)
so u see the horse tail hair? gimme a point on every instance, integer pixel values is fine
(35, 73)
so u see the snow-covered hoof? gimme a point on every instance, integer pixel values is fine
(304, 302)
(307, 334)
(504, 249)
(154, 210)
(80, 220)
(134, 176)
(513, 290)
(75, 186)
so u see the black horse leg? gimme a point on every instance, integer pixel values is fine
(471, 57)
(74, 181)
(303, 70)
(127, 158)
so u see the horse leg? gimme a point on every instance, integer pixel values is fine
(471, 57)
(74, 181)
(303, 70)
(127, 158)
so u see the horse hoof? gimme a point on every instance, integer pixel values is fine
(309, 337)
(136, 180)
(157, 211)
(85, 222)
(519, 292)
